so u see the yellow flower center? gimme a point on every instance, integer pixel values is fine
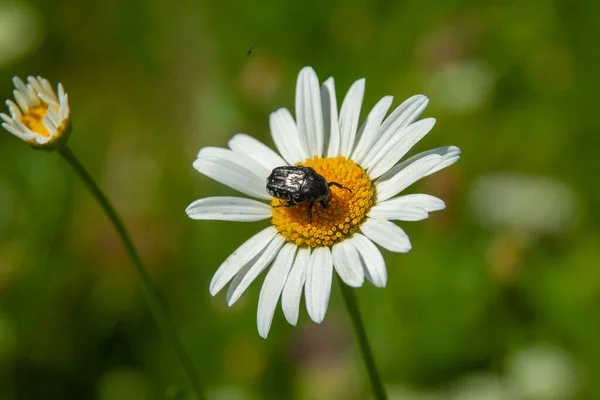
(344, 213)
(34, 119)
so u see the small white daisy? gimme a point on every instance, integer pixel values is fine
(302, 252)
(38, 116)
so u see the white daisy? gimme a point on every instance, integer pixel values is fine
(38, 116)
(303, 253)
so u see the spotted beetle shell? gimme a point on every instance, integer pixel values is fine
(297, 184)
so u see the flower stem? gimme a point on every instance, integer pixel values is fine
(363, 341)
(162, 317)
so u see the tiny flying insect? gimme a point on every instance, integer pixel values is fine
(299, 184)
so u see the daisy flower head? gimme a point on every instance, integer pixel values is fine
(38, 115)
(308, 240)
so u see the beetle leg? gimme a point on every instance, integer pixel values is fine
(310, 211)
(338, 186)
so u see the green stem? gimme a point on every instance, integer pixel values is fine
(363, 341)
(160, 313)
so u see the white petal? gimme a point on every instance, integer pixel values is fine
(318, 283)
(405, 114)
(425, 201)
(406, 173)
(412, 207)
(330, 118)
(256, 150)
(399, 145)
(34, 84)
(50, 126)
(228, 209)
(285, 136)
(292, 292)
(19, 84)
(28, 95)
(231, 156)
(417, 167)
(399, 214)
(20, 126)
(33, 95)
(6, 118)
(48, 99)
(64, 110)
(371, 259)
(22, 101)
(49, 123)
(15, 131)
(370, 128)
(47, 88)
(250, 271)
(61, 91)
(272, 288)
(309, 114)
(386, 234)
(44, 139)
(15, 111)
(53, 115)
(347, 264)
(234, 171)
(450, 155)
(242, 256)
(349, 115)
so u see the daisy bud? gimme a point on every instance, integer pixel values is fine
(38, 115)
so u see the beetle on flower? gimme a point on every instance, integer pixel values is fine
(297, 185)
(302, 249)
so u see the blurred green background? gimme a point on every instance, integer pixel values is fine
(499, 298)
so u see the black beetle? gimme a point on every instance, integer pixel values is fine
(299, 184)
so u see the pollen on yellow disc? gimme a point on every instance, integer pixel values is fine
(34, 119)
(344, 214)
